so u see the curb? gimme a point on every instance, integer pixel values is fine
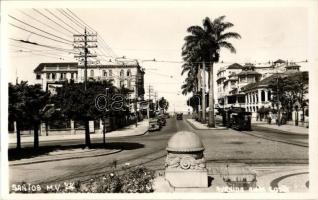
(141, 134)
(275, 140)
(194, 127)
(260, 128)
(59, 159)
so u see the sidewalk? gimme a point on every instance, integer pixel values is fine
(58, 155)
(197, 125)
(124, 132)
(287, 129)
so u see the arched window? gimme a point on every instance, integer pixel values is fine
(128, 72)
(122, 73)
(104, 73)
(92, 73)
(262, 95)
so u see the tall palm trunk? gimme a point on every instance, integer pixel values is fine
(211, 122)
(203, 95)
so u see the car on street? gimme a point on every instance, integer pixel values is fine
(179, 116)
(154, 125)
(162, 120)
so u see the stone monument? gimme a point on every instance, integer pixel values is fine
(185, 165)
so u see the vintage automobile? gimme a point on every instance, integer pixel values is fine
(179, 116)
(239, 119)
(161, 120)
(166, 115)
(154, 125)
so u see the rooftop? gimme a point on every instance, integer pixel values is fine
(41, 66)
(235, 66)
(279, 61)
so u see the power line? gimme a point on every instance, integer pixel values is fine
(45, 24)
(71, 18)
(39, 29)
(20, 49)
(39, 34)
(103, 43)
(52, 20)
(47, 46)
(47, 10)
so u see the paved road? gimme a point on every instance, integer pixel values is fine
(222, 146)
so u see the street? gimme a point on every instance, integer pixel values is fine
(222, 147)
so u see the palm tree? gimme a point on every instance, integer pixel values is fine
(207, 42)
(218, 28)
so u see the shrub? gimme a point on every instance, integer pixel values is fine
(134, 180)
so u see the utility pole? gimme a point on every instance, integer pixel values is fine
(136, 98)
(156, 106)
(148, 108)
(203, 94)
(84, 42)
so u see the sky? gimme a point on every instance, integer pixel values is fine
(146, 31)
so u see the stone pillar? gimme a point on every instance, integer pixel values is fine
(259, 93)
(266, 95)
(15, 127)
(185, 165)
(101, 126)
(42, 129)
(73, 132)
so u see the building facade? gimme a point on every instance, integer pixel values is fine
(128, 75)
(248, 86)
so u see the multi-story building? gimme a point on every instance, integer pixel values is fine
(247, 86)
(130, 75)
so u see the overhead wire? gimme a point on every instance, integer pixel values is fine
(39, 12)
(38, 28)
(71, 18)
(49, 38)
(103, 43)
(45, 24)
(47, 10)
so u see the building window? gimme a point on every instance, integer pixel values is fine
(62, 76)
(269, 95)
(92, 73)
(72, 75)
(262, 95)
(121, 73)
(121, 83)
(48, 76)
(104, 73)
(53, 76)
(38, 76)
(128, 72)
(129, 84)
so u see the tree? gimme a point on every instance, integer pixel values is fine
(16, 107)
(163, 104)
(35, 100)
(287, 89)
(77, 104)
(25, 105)
(207, 42)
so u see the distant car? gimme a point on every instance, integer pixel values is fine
(162, 120)
(154, 125)
(166, 115)
(179, 116)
